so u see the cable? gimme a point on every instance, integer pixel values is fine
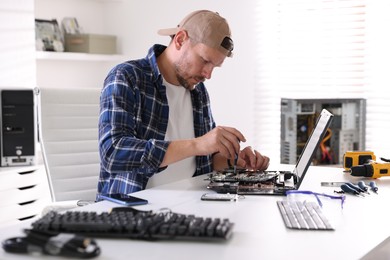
(324, 150)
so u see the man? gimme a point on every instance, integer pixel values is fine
(156, 124)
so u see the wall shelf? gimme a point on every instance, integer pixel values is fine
(77, 69)
(73, 56)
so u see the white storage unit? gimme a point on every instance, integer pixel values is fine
(24, 193)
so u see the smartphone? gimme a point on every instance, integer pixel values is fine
(219, 197)
(124, 199)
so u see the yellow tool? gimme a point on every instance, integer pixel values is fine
(355, 158)
(372, 169)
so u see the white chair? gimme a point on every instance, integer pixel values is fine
(68, 133)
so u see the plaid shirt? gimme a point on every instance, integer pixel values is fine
(133, 122)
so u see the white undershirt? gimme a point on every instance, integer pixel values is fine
(180, 126)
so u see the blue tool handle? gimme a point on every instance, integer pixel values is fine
(348, 189)
(363, 186)
(356, 187)
(373, 186)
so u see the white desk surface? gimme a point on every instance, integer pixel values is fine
(259, 231)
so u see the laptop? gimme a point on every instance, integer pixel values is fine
(248, 182)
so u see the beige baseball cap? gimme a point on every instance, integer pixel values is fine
(206, 27)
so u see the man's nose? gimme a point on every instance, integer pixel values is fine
(207, 71)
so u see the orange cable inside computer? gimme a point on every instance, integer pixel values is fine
(324, 149)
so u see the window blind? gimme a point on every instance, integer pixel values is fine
(377, 89)
(17, 43)
(308, 49)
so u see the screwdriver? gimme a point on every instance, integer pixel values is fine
(373, 186)
(348, 189)
(356, 187)
(235, 164)
(235, 160)
(363, 186)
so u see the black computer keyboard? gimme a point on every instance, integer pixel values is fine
(127, 222)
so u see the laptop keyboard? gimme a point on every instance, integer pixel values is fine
(303, 215)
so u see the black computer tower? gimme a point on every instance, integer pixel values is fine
(18, 127)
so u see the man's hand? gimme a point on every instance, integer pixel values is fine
(223, 140)
(252, 159)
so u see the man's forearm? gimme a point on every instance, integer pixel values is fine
(179, 150)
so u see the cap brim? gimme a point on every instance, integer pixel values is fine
(168, 32)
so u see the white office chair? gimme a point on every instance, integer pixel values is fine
(68, 133)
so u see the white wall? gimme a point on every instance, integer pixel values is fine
(136, 24)
(231, 86)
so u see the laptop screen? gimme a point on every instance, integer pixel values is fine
(312, 144)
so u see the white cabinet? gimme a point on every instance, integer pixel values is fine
(24, 192)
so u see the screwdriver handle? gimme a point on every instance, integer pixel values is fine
(363, 186)
(348, 189)
(356, 187)
(373, 186)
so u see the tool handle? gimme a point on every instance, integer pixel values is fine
(363, 186)
(348, 189)
(353, 186)
(373, 186)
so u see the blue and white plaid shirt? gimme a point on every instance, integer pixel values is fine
(133, 122)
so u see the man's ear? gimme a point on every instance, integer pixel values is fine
(180, 38)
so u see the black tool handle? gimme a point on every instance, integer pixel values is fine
(348, 189)
(363, 186)
(373, 186)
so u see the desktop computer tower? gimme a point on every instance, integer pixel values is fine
(18, 127)
(346, 132)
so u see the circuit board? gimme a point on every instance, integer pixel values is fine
(245, 181)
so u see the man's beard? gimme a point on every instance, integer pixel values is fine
(179, 71)
(183, 82)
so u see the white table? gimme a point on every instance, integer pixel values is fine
(259, 231)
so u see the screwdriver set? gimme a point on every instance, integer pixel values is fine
(358, 189)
